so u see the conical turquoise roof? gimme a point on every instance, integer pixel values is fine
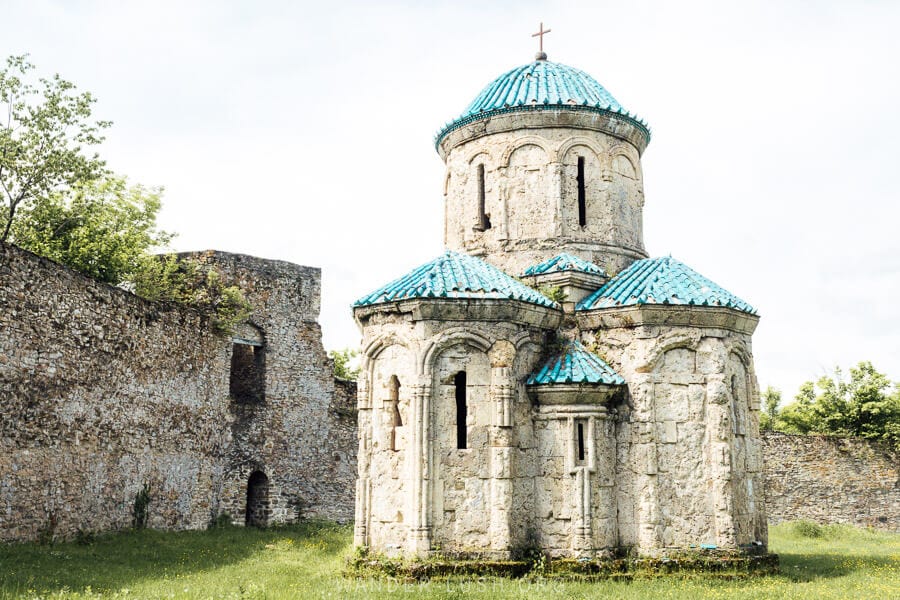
(455, 275)
(661, 281)
(541, 85)
(563, 262)
(575, 365)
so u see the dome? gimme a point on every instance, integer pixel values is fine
(541, 85)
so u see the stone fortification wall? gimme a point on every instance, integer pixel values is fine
(831, 480)
(103, 393)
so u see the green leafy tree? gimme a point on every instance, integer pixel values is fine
(343, 363)
(44, 126)
(102, 228)
(771, 398)
(862, 405)
(187, 281)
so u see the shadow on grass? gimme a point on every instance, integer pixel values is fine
(806, 567)
(120, 560)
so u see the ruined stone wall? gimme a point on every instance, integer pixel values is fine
(831, 480)
(103, 393)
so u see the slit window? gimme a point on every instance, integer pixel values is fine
(580, 442)
(484, 222)
(459, 382)
(582, 203)
(247, 380)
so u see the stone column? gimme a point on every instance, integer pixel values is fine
(645, 463)
(363, 460)
(420, 530)
(556, 193)
(502, 393)
(719, 442)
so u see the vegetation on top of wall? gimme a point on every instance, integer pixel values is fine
(864, 405)
(345, 364)
(62, 204)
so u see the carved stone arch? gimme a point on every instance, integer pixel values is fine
(572, 142)
(481, 152)
(620, 150)
(666, 342)
(528, 140)
(521, 339)
(451, 337)
(378, 345)
(739, 349)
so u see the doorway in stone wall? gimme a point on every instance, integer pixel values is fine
(257, 500)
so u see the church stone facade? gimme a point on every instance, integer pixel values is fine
(544, 384)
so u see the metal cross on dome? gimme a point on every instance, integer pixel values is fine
(541, 55)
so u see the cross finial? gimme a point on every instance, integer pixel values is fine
(541, 55)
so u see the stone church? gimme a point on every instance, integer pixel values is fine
(544, 383)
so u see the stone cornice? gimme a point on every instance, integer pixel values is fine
(467, 309)
(541, 117)
(668, 314)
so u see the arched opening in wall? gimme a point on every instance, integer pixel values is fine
(462, 412)
(257, 513)
(582, 200)
(580, 459)
(394, 399)
(484, 221)
(247, 379)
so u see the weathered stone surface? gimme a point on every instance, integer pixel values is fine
(103, 393)
(831, 480)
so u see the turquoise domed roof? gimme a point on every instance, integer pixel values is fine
(541, 85)
(455, 275)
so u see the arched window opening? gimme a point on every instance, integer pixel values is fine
(580, 442)
(247, 379)
(484, 221)
(257, 514)
(394, 398)
(582, 202)
(461, 410)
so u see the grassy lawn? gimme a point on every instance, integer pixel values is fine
(306, 561)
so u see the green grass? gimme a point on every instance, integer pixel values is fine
(305, 561)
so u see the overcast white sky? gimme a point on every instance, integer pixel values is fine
(303, 131)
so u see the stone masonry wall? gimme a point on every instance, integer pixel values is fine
(103, 393)
(831, 480)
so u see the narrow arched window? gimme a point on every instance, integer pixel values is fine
(582, 202)
(484, 222)
(580, 442)
(394, 399)
(459, 381)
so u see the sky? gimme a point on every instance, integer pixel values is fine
(303, 131)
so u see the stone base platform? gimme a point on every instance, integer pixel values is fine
(729, 565)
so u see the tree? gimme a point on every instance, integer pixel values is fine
(342, 363)
(102, 228)
(862, 405)
(771, 399)
(43, 128)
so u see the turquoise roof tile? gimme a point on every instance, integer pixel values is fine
(563, 262)
(576, 365)
(455, 275)
(661, 281)
(541, 85)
